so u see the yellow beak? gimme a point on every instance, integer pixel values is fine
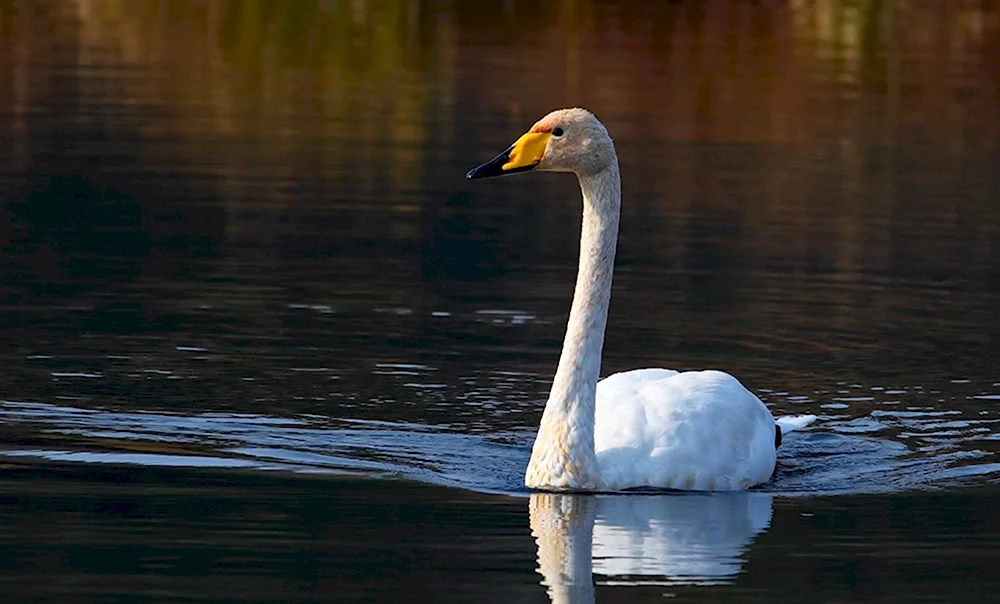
(523, 155)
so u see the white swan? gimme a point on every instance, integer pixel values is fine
(699, 430)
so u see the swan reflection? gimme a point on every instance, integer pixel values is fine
(641, 540)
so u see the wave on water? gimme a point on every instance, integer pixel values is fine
(832, 457)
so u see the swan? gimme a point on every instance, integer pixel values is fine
(656, 428)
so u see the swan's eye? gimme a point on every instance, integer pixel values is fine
(557, 132)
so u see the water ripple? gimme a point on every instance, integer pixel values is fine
(841, 455)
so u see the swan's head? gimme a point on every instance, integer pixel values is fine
(567, 140)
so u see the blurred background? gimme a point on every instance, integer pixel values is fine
(236, 234)
(822, 174)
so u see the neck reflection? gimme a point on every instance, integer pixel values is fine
(677, 539)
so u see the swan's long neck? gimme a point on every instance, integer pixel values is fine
(563, 455)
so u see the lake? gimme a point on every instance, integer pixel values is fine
(262, 341)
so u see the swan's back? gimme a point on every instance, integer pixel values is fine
(697, 430)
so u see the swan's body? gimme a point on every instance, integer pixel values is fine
(645, 428)
(697, 430)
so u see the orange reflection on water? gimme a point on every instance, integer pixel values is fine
(694, 70)
(387, 104)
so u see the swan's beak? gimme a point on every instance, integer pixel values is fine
(523, 155)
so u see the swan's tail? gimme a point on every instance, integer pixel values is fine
(790, 423)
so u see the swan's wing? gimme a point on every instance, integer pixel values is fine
(697, 430)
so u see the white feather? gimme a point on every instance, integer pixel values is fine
(791, 423)
(698, 430)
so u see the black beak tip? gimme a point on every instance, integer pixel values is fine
(488, 169)
(494, 167)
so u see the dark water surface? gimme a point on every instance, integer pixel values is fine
(262, 342)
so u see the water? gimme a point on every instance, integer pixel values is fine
(263, 342)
